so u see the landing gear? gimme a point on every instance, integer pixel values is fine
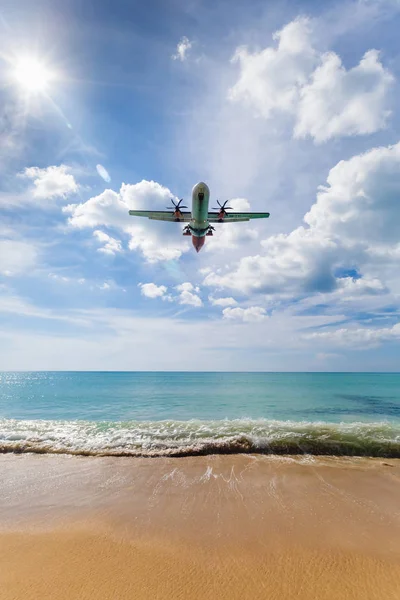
(187, 231)
(210, 230)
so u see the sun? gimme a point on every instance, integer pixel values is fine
(32, 75)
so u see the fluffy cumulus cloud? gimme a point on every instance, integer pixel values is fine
(248, 315)
(360, 204)
(234, 235)
(182, 49)
(156, 241)
(224, 302)
(110, 245)
(52, 182)
(353, 224)
(151, 290)
(350, 287)
(324, 99)
(270, 80)
(188, 294)
(337, 102)
(296, 262)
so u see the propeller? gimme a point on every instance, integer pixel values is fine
(223, 206)
(177, 206)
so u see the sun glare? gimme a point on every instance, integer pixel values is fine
(32, 75)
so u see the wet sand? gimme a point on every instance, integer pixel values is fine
(204, 527)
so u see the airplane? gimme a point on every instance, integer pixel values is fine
(199, 218)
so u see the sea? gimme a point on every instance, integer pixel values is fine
(184, 414)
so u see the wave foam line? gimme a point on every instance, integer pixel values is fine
(194, 438)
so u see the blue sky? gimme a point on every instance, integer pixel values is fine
(287, 107)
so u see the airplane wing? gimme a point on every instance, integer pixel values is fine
(161, 215)
(237, 216)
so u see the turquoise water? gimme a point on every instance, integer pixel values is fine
(197, 413)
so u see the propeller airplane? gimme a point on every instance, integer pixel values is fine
(199, 219)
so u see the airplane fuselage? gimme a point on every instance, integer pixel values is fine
(199, 225)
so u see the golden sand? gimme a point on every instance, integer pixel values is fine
(206, 527)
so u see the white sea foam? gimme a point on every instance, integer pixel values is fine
(179, 438)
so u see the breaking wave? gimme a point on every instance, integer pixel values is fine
(191, 438)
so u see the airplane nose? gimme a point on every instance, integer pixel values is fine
(198, 242)
(201, 188)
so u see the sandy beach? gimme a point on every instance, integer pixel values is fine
(204, 527)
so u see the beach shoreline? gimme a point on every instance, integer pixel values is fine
(242, 526)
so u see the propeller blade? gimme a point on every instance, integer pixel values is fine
(222, 207)
(176, 205)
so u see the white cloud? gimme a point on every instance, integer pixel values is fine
(234, 235)
(188, 294)
(12, 304)
(231, 236)
(52, 182)
(222, 301)
(353, 221)
(106, 209)
(111, 245)
(182, 49)
(102, 171)
(298, 261)
(239, 204)
(17, 257)
(269, 80)
(157, 241)
(360, 203)
(107, 338)
(151, 290)
(251, 314)
(186, 287)
(61, 278)
(358, 337)
(89, 284)
(337, 102)
(325, 99)
(350, 287)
